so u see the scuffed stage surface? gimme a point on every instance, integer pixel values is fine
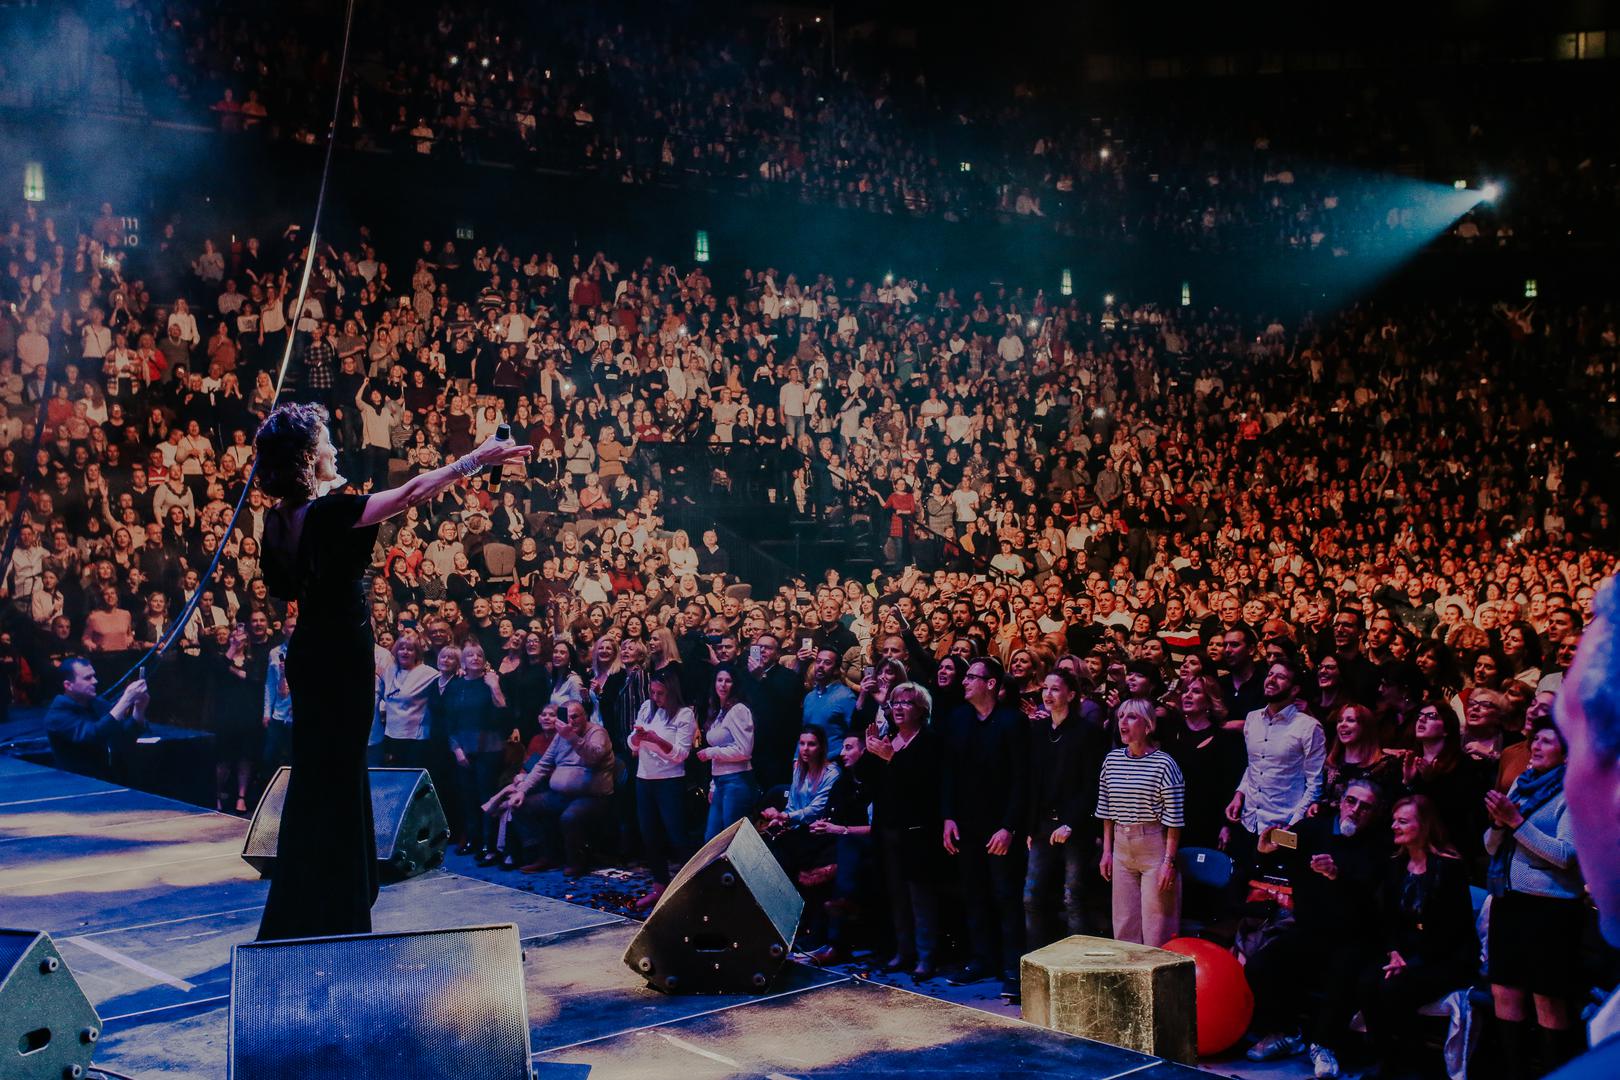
(145, 897)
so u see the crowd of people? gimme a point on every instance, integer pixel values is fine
(771, 108)
(1158, 579)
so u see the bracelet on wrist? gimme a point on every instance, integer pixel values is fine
(466, 465)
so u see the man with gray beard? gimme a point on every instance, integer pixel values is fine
(1335, 880)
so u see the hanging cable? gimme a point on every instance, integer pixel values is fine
(177, 627)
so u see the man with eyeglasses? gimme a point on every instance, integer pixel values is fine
(1335, 878)
(982, 799)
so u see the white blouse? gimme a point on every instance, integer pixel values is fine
(732, 740)
(680, 731)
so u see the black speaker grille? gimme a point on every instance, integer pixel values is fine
(411, 829)
(13, 944)
(264, 834)
(391, 791)
(417, 1006)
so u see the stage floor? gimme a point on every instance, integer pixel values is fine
(145, 897)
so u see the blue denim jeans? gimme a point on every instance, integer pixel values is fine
(661, 813)
(1051, 867)
(734, 797)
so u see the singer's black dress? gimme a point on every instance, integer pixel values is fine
(325, 876)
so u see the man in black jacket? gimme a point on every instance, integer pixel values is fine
(84, 732)
(1335, 881)
(775, 694)
(1065, 760)
(1357, 674)
(983, 802)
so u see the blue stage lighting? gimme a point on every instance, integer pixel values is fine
(1491, 191)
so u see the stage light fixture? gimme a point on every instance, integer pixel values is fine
(1491, 191)
(1459, 185)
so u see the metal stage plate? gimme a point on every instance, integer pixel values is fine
(34, 783)
(103, 810)
(145, 898)
(848, 1029)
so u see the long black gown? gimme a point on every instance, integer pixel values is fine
(325, 877)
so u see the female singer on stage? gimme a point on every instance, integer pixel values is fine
(317, 545)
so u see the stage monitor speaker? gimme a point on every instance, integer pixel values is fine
(412, 832)
(423, 1005)
(725, 924)
(48, 1028)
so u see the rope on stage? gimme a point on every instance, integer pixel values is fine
(178, 625)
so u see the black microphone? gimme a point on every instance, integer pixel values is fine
(504, 434)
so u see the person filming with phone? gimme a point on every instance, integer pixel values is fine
(86, 733)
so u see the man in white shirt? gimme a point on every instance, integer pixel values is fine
(96, 336)
(27, 563)
(1010, 348)
(33, 349)
(514, 325)
(1287, 752)
(791, 401)
(966, 501)
(230, 301)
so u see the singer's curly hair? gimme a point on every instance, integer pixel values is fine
(284, 449)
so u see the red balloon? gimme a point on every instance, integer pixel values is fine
(1225, 1002)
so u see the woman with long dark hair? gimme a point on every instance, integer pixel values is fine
(317, 545)
(1438, 768)
(946, 691)
(728, 735)
(1065, 759)
(1211, 757)
(661, 740)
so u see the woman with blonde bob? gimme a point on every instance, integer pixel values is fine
(1140, 800)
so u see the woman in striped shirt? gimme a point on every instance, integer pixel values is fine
(1140, 799)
